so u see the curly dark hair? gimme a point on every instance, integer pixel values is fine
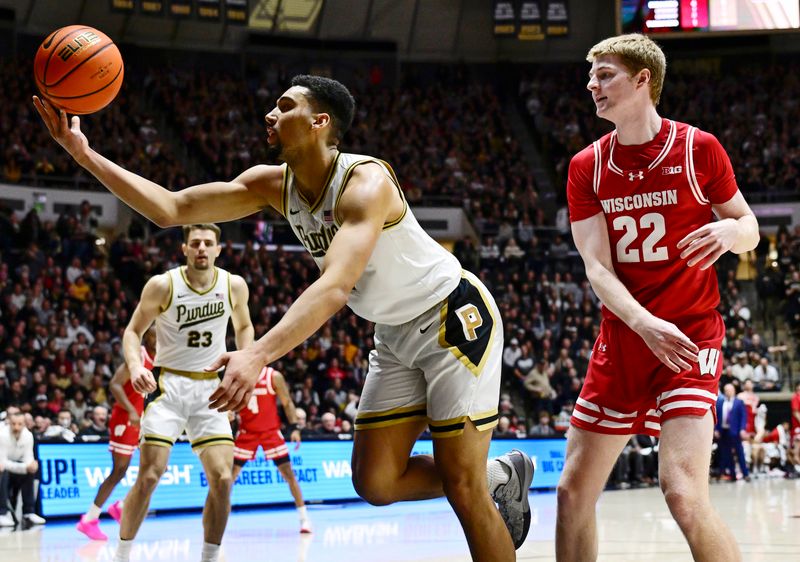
(332, 97)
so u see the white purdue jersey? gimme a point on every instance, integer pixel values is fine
(190, 332)
(408, 273)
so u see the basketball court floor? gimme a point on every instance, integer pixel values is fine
(634, 526)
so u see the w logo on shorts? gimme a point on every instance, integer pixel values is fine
(708, 360)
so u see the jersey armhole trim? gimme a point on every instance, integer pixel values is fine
(169, 301)
(285, 191)
(230, 291)
(270, 387)
(598, 162)
(690, 171)
(392, 176)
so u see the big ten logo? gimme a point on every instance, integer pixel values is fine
(59, 472)
(79, 43)
(360, 533)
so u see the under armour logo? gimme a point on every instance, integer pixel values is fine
(636, 175)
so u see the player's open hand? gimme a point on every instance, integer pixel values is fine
(672, 347)
(142, 380)
(67, 134)
(709, 242)
(241, 374)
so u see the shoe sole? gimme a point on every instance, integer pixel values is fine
(523, 466)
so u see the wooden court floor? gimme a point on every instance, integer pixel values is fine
(634, 525)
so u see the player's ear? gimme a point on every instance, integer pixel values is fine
(321, 120)
(643, 77)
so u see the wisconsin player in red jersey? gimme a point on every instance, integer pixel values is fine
(260, 426)
(642, 201)
(124, 438)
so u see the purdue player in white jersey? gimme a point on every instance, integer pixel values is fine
(438, 333)
(191, 306)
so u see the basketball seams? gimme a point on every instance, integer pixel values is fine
(55, 47)
(89, 93)
(77, 66)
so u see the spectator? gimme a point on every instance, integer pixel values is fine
(543, 427)
(766, 376)
(328, 426)
(742, 370)
(18, 470)
(511, 354)
(503, 429)
(98, 429)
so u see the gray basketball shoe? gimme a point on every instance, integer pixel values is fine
(512, 497)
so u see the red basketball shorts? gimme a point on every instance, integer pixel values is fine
(629, 391)
(123, 437)
(247, 444)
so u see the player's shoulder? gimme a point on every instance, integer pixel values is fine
(700, 137)
(161, 282)
(587, 156)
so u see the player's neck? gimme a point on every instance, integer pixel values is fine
(311, 169)
(638, 127)
(200, 279)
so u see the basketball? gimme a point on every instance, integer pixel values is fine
(78, 69)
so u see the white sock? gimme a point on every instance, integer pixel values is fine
(302, 512)
(93, 513)
(497, 474)
(210, 552)
(123, 550)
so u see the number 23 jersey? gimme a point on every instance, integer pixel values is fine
(652, 196)
(190, 331)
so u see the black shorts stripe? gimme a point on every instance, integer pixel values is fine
(390, 417)
(444, 428)
(150, 398)
(150, 438)
(484, 421)
(203, 442)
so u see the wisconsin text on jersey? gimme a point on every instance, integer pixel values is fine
(640, 200)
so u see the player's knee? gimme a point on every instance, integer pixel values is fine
(221, 478)
(148, 478)
(465, 492)
(569, 498)
(373, 490)
(684, 504)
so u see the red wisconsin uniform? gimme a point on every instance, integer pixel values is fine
(260, 424)
(795, 424)
(751, 401)
(652, 196)
(124, 437)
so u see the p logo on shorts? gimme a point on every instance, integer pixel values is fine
(467, 326)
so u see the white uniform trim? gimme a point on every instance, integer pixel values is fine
(690, 173)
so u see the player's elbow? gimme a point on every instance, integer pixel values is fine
(339, 295)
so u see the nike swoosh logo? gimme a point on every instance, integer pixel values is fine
(293, 212)
(183, 295)
(425, 329)
(48, 41)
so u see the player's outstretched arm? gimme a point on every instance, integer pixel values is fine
(250, 192)
(363, 208)
(665, 340)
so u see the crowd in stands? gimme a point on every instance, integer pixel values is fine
(734, 100)
(66, 300)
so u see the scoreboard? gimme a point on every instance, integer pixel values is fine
(715, 16)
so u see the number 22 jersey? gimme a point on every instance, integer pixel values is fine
(652, 196)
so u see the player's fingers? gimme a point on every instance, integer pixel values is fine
(686, 240)
(676, 359)
(703, 252)
(668, 362)
(712, 259)
(695, 245)
(221, 361)
(219, 393)
(686, 353)
(76, 124)
(63, 121)
(236, 402)
(41, 109)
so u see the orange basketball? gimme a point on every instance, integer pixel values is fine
(79, 69)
